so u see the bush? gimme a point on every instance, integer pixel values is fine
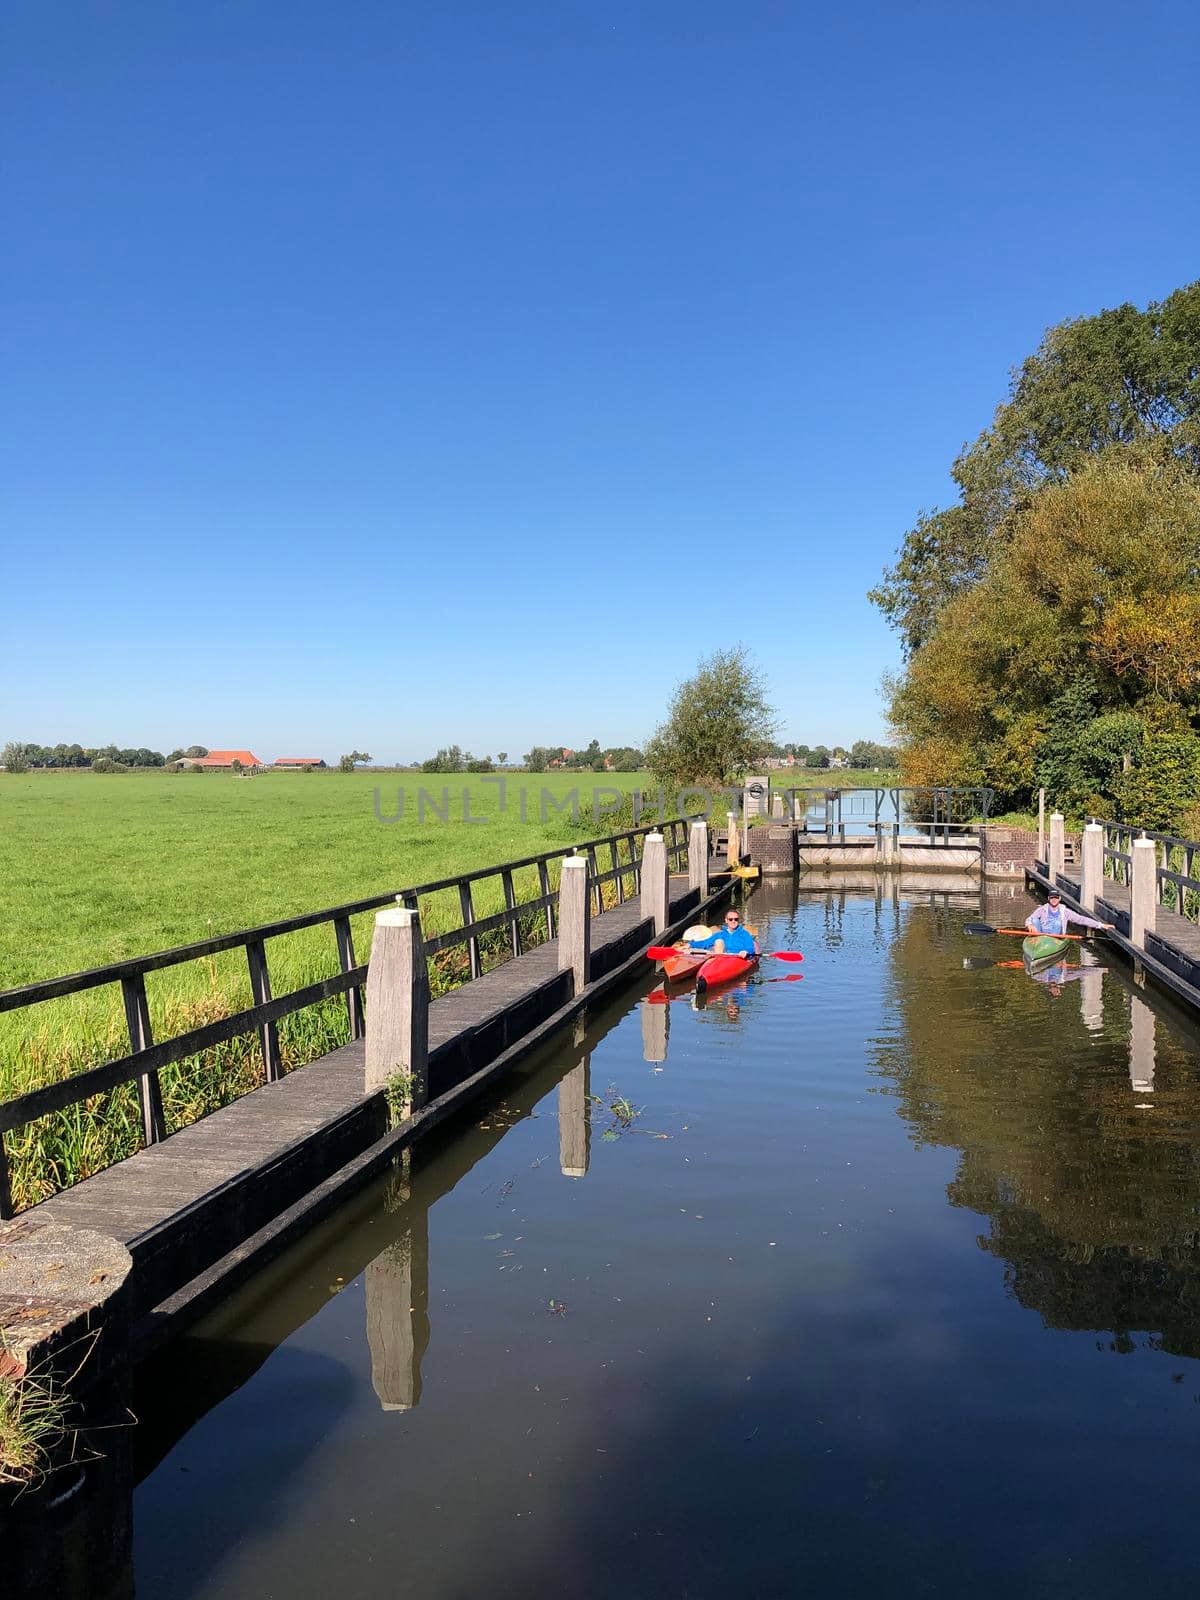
(107, 764)
(1163, 787)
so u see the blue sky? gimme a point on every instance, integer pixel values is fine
(381, 374)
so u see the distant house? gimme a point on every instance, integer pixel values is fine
(224, 759)
(299, 761)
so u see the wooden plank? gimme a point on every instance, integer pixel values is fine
(468, 917)
(544, 882)
(260, 988)
(137, 1016)
(510, 903)
(354, 995)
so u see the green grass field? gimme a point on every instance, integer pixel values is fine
(99, 868)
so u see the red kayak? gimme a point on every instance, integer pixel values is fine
(686, 964)
(723, 969)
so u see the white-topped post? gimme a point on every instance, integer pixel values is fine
(575, 921)
(1041, 855)
(1091, 867)
(656, 882)
(1058, 846)
(698, 858)
(1143, 891)
(398, 1005)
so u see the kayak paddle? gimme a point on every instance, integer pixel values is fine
(982, 963)
(664, 952)
(1020, 933)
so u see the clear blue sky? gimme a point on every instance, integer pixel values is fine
(384, 374)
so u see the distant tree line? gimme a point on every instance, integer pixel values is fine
(862, 753)
(592, 758)
(20, 757)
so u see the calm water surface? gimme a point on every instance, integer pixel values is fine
(891, 1286)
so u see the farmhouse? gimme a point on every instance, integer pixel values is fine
(299, 761)
(225, 759)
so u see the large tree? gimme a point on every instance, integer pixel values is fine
(719, 724)
(1118, 378)
(1089, 611)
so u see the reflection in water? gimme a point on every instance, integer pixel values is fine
(574, 1108)
(748, 1353)
(1141, 1046)
(1091, 1205)
(396, 1286)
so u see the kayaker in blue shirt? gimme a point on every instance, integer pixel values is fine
(732, 939)
(1054, 917)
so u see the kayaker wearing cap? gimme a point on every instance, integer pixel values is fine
(732, 939)
(1054, 917)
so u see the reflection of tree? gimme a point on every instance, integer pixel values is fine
(1092, 1198)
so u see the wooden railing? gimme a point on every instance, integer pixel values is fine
(1178, 887)
(621, 851)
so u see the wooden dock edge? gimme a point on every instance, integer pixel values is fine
(204, 1292)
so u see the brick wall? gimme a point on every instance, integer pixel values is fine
(1008, 851)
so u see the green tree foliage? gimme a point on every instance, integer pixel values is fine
(1023, 672)
(1161, 791)
(539, 758)
(14, 759)
(450, 758)
(718, 725)
(624, 758)
(1118, 378)
(866, 753)
(195, 752)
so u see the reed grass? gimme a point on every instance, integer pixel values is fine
(33, 1423)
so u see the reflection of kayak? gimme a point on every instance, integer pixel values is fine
(1042, 950)
(724, 969)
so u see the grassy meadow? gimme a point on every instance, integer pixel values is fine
(97, 868)
(100, 868)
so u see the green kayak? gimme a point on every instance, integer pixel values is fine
(1043, 950)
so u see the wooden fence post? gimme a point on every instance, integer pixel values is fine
(698, 858)
(655, 882)
(1143, 891)
(1091, 873)
(1041, 855)
(1058, 852)
(398, 1005)
(575, 922)
(732, 852)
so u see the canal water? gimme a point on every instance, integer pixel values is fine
(884, 1281)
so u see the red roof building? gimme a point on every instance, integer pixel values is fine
(299, 761)
(226, 758)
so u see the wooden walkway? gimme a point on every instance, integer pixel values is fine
(184, 1205)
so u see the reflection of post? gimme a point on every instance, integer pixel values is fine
(656, 1028)
(1141, 1046)
(574, 1129)
(1091, 992)
(397, 1289)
